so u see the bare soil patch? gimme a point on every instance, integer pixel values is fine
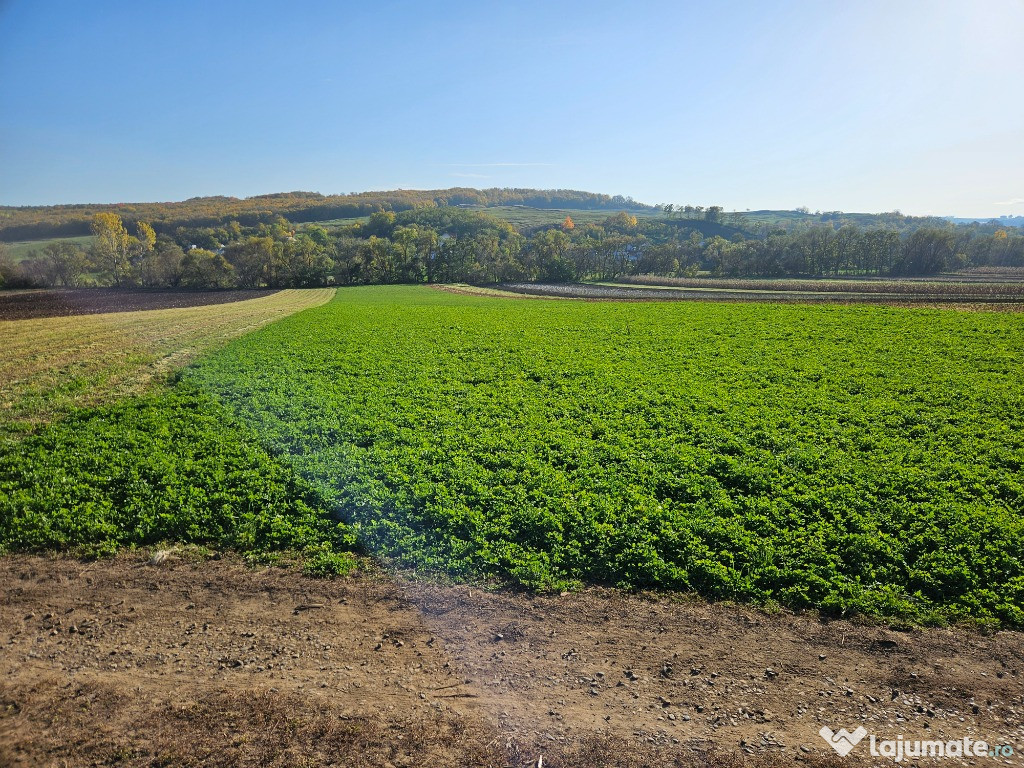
(28, 305)
(211, 663)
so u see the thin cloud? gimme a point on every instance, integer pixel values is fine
(1014, 201)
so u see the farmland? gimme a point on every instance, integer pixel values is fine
(1000, 296)
(77, 357)
(526, 217)
(859, 460)
(22, 250)
(848, 459)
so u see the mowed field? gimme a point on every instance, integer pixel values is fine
(80, 356)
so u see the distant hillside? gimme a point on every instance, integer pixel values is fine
(526, 217)
(34, 222)
(1006, 221)
(789, 219)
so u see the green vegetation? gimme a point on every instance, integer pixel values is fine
(486, 236)
(525, 217)
(29, 249)
(848, 459)
(857, 460)
(46, 221)
(459, 244)
(170, 466)
(53, 365)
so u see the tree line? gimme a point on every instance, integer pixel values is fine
(39, 222)
(451, 244)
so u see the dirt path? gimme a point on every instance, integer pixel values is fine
(211, 663)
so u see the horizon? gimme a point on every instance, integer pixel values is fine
(867, 109)
(810, 211)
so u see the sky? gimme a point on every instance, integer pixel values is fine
(853, 106)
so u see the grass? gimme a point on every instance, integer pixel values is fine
(148, 464)
(333, 223)
(53, 365)
(526, 217)
(21, 250)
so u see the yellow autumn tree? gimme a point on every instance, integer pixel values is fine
(568, 224)
(112, 247)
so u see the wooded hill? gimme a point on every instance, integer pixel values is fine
(36, 222)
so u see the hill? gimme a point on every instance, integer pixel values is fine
(36, 222)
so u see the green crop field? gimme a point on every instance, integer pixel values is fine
(851, 459)
(22, 250)
(523, 216)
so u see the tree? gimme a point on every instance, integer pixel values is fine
(254, 261)
(928, 251)
(145, 235)
(65, 263)
(202, 269)
(112, 247)
(621, 221)
(12, 275)
(161, 267)
(713, 214)
(568, 224)
(384, 259)
(304, 263)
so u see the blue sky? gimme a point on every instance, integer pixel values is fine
(865, 106)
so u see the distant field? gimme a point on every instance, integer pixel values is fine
(20, 250)
(523, 216)
(329, 223)
(54, 364)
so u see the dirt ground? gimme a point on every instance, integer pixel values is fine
(194, 662)
(28, 305)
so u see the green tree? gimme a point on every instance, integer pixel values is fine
(928, 250)
(714, 214)
(254, 261)
(202, 269)
(65, 262)
(161, 267)
(550, 248)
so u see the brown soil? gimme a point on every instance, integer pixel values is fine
(28, 305)
(210, 663)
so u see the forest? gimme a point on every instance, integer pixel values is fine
(453, 243)
(36, 222)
